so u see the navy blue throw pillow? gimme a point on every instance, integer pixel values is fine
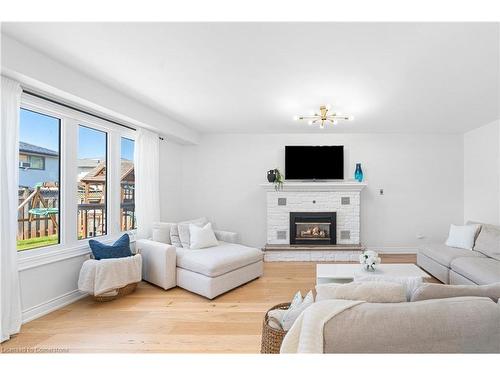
(120, 249)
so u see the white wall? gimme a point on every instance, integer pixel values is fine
(481, 174)
(49, 286)
(422, 178)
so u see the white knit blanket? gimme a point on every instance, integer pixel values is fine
(306, 334)
(106, 275)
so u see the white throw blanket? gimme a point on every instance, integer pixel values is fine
(106, 275)
(306, 334)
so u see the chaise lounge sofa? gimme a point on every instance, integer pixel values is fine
(451, 265)
(208, 272)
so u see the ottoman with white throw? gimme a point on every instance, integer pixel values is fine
(105, 278)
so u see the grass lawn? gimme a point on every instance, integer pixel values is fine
(36, 242)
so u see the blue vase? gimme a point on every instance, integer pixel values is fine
(358, 174)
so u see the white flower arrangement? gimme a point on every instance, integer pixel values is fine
(369, 259)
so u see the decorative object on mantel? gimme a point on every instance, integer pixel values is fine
(369, 259)
(358, 174)
(274, 176)
(323, 116)
(271, 175)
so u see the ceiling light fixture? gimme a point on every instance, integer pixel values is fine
(323, 116)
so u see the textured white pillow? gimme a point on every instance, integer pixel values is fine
(174, 236)
(462, 236)
(201, 237)
(293, 312)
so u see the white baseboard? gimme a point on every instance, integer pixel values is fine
(51, 305)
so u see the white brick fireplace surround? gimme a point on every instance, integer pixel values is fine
(340, 197)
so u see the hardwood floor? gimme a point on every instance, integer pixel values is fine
(154, 320)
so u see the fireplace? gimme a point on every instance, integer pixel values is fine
(313, 228)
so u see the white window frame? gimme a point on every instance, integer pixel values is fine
(69, 246)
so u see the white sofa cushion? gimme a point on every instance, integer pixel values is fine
(217, 260)
(183, 228)
(161, 232)
(201, 237)
(444, 254)
(462, 236)
(370, 291)
(488, 241)
(438, 291)
(480, 270)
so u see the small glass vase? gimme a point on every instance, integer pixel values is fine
(358, 173)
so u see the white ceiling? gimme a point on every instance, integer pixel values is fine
(254, 77)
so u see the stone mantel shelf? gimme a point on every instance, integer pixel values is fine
(318, 186)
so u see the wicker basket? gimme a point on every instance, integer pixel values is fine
(127, 289)
(272, 337)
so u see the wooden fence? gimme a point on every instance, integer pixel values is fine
(32, 226)
(91, 216)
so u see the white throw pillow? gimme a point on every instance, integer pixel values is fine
(293, 313)
(296, 301)
(462, 236)
(201, 237)
(183, 228)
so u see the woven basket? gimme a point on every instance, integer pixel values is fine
(127, 289)
(272, 337)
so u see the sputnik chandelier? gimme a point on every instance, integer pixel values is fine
(323, 116)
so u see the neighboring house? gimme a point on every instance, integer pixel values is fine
(37, 165)
(86, 165)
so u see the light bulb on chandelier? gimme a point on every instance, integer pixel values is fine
(324, 115)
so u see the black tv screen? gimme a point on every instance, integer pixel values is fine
(314, 162)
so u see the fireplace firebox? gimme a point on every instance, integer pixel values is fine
(313, 228)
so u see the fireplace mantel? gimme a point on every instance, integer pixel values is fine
(341, 197)
(318, 186)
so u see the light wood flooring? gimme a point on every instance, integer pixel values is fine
(154, 320)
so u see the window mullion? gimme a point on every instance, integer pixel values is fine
(69, 167)
(113, 191)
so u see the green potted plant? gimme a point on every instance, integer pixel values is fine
(278, 182)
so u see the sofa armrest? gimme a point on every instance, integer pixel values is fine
(158, 263)
(226, 236)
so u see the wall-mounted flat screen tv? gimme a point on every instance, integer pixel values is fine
(314, 162)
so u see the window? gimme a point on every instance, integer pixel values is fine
(92, 181)
(31, 161)
(39, 180)
(127, 185)
(76, 180)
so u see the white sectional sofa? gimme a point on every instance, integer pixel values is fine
(451, 265)
(208, 272)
